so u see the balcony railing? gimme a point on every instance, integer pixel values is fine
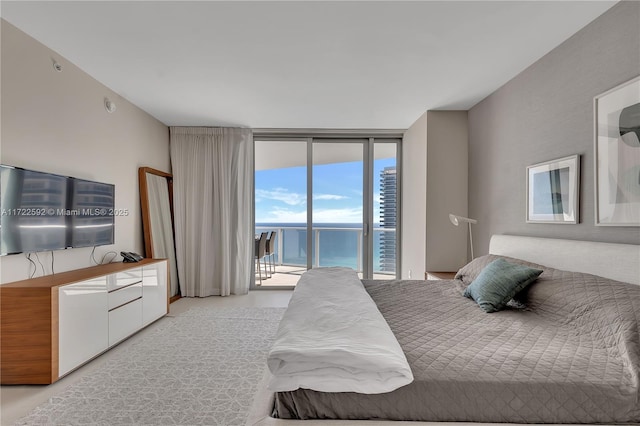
(332, 246)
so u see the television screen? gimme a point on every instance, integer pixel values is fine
(43, 211)
(92, 205)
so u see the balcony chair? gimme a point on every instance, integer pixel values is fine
(270, 251)
(260, 253)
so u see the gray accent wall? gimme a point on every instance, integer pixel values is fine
(545, 113)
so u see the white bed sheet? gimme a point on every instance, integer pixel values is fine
(333, 338)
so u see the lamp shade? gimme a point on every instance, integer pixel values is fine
(456, 220)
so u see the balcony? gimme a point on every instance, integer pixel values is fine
(331, 246)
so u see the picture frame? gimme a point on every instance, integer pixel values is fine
(617, 155)
(553, 194)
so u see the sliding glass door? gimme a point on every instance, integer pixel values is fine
(328, 202)
(281, 211)
(337, 195)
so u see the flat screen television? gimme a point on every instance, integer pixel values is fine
(43, 211)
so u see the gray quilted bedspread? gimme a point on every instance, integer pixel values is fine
(570, 354)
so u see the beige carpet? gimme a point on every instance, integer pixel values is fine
(201, 367)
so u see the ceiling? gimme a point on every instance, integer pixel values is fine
(302, 64)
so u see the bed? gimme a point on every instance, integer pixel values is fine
(569, 354)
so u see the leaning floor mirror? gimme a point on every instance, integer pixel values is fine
(156, 201)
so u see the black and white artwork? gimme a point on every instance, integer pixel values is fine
(617, 155)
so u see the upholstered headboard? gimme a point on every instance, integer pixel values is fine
(619, 262)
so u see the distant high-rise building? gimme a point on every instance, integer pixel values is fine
(388, 217)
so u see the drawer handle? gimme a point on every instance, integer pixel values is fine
(126, 303)
(124, 286)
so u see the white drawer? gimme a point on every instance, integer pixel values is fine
(82, 323)
(124, 278)
(124, 294)
(154, 288)
(125, 321)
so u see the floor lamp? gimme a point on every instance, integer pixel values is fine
(456, 220)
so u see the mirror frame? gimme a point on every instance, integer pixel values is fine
(146, 216)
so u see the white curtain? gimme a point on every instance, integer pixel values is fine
(212, 190)
(161, 228)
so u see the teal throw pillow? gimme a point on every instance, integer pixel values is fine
(498, 282)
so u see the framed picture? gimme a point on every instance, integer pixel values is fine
(552, 191)
(617, 155)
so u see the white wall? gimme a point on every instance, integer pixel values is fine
(56, 122)
(434, 184)
(414, 199)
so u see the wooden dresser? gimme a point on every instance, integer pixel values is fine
(53, 324)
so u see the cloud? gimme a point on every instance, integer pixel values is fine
(292, 198)
(284, 215)
(345, 215)
(329, 197)
(282, 195)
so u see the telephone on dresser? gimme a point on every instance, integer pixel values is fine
(130, 257)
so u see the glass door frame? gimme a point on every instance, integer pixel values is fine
(367, 197)
(398, 240)
(368, 140)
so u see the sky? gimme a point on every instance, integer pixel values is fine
(337, 193)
